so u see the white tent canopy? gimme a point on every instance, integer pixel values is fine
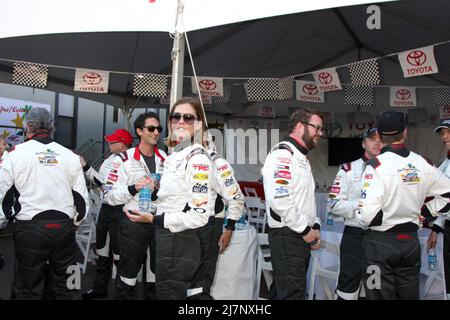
(24, 17)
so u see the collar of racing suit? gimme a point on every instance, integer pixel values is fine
(137, 153)
(300, 148)
(398, 148)
(182, 145)
(42, 138)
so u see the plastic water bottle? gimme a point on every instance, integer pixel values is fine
(432, 259)
(329, 220)
(145, 199)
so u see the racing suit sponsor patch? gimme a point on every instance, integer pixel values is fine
(284, 174)
(281, 181)
(200, 188)
(229, 182)
(200, 176)
(201, 167)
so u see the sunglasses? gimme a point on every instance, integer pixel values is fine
(153, 128)
(188, 118)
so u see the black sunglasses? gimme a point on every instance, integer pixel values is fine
(188, 118)
(153, 128)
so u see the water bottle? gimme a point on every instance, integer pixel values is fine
(145, 199)
(432, 259)
(329, 220)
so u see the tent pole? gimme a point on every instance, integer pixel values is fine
(176, 90)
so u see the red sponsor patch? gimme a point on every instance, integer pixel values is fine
(335, 189)
(403, 237)
(113, 177)
(283, 174)
(223, 168)
(200, 167)
(368, 176)
(53, 226)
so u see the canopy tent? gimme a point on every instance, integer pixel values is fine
(288, 43)
(283, 45)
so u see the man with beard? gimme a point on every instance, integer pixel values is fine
(343, 200)
(442, 223)
(289, 190)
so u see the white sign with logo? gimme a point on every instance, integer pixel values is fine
(308, 91)
(95, 81)
(209, 87)
(328, 80)
(12, 114)
(403, 97)
(418, 62)
(267, 111)
(444, 112)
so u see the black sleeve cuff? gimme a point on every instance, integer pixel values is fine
(86, 167)
(305, 232)
(230, 224)
(159, 220)
(132, 190)
(316, 226)
(436, 228)
(155, 195)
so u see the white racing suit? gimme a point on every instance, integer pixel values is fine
(106, 231)
(183, 206)
(42, 182)
(395, 185)
(135, 239)
(289, 191)
(343, 200)
(225, 191)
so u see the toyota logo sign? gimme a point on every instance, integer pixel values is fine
(206, 84)
(416, 58)
(403, 94)
(310, 89)
(92, 78)
(325, 78)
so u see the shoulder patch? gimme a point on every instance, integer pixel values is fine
(346, 166)
(123, 156)
(374, 162)
(284, 146)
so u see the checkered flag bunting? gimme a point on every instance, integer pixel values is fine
(286, 88)
(359, 95)
(30, 74)
(260, 89)
(364, 73)
(441, 96)
(151, 85)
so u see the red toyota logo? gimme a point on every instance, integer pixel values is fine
(310, 89)
(325, 78)
(403, 94)
(416, 58)
(207, 84)
(92, 78)
(267, 109)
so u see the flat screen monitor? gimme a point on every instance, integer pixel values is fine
(342, 150)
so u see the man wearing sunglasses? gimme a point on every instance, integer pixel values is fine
(343, 200)
(289, 190)
(106, 230)
(130, 173)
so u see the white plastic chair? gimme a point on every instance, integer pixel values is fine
(256, 213)
(323, 273)
(432, 276)
(264, 265)
(250, 192)
(85, 236)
